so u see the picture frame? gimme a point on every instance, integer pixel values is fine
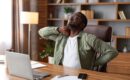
(122, 15)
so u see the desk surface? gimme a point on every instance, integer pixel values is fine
(56, 70)
(120, 64)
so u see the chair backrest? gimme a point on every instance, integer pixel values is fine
(102, 32)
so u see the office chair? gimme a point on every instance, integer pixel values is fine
(104, 33)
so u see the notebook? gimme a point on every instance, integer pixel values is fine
(65, 78)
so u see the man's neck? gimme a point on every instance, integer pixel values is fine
(74, 33)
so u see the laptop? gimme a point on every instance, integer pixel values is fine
(19, 65)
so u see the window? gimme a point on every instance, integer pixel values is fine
(5, 25)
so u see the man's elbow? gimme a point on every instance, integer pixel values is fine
(43, 32)
(40, 32)
(112, 55)
(115, 53)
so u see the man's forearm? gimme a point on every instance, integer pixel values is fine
(106, 51)
(106, 57)
(49, 32)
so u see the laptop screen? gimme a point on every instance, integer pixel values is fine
(19, 65)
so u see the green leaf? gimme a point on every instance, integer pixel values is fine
(68, 10)
(49, 49)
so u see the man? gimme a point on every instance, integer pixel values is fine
(75, 48)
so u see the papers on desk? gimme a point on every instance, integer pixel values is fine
(66, 78)
(35, 64)
(2, 59)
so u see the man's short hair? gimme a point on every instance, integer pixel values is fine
(83, 17)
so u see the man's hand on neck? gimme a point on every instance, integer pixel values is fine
(68, 32)
(64, 30)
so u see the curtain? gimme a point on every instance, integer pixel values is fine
(17, 7)
(5, 25)
(20, 31)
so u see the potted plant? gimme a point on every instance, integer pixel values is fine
(68, 11)
(48, 51)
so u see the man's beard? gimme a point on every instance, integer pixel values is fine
(73, 26)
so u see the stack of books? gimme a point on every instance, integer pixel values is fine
(127, 31)
(88, 13)
(93, 1)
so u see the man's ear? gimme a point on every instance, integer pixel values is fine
(82, 26)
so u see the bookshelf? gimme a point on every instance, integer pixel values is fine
(122, 42)
(106, 12)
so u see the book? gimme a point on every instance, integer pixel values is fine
(127, 31)
(58, 1)
(93, 1)
(122, 15)
(88, 13)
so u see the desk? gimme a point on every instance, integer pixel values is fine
(120, 64)
(55, 70)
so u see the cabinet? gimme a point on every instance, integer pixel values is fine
(106, 12)
(122, 44)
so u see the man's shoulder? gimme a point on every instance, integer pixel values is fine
(88, 35)
(88, 38)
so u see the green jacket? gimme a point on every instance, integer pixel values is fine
(87, 44)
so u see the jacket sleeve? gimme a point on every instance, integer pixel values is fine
(107, 51)
(49, 33)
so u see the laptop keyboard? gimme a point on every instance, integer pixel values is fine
(39, 75)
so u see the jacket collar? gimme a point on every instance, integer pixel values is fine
(80, 34)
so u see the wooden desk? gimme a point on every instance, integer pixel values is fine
(120, 64)
(56, 70)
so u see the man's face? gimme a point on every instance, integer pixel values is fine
(75, 22)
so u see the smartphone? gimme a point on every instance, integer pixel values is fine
(82, 76)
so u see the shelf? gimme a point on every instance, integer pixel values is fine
(99, 3)
(56, 4)
(53, 19)
(116, 20)
(100, 20)
(123, 3)
(102, 3)
(121, 36)
(63, 4)
(106, 3)
(57, 19)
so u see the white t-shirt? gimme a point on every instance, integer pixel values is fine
(71, 54)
